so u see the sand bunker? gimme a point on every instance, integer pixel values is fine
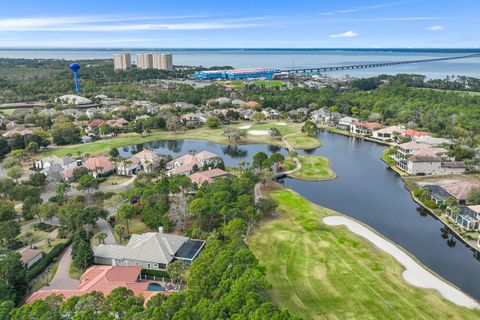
(280, 124)
(414, 273)
(248, 126)
(258, 132)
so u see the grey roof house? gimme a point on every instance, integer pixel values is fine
(151, 250)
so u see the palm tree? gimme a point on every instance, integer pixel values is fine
(101, 237)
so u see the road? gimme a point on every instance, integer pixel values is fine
(117, 187)
(104, 226)
(61, 280)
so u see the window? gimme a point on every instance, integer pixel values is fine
(136, 263)
(149, 266)
(156, 265)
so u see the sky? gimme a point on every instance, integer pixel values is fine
(239, 24)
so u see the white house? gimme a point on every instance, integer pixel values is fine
(345, 123)
(388, 133)
(430, 165)
(151, 250)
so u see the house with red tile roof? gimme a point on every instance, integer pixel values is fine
(99, 165)
(364, 128)
(200, 177)
(413, 133)
(185, 164)
(95, 124)
(105, 279)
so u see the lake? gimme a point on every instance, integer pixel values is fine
(365, 190)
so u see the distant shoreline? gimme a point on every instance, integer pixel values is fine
(415, 50)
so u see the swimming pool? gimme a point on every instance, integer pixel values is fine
(155, 287)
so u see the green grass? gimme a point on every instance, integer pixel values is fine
(45, 279)
(302, 141)
(393, 165)
(7, 111)
(472, 93)
(322, 272)
(269, 83)
(212, 135)
(314, 168)
(74, 272)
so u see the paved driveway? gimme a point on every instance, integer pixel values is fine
(62, 279)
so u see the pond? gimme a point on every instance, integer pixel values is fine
(365, 190)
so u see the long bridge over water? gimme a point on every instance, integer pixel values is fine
(374, 65)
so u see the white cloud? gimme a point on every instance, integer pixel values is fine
(106, 24)
(436, 28)
(347, 34)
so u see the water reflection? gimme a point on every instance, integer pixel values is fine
(235, 151)
(364, 190)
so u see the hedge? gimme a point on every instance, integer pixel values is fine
(156, 273)
(43, 263)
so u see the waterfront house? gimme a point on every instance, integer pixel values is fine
(345, 123)
(465, 216)
(149, 160)
(437, 194)
(128, 167)
(333, 117)
(151, 250)
(430, 165)
(208, 176)
(408, 148)
(460, 190)
(104, 279)
(188, 163)
(388, 133)
(30, 256)
(364, 128)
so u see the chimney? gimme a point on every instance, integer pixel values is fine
(160, 229)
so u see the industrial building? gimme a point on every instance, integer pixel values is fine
(236, 74)
(122, 61)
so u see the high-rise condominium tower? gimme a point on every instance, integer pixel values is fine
(163, 61)
(144, 61)
(122, 61)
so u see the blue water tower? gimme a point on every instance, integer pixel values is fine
(75, 67)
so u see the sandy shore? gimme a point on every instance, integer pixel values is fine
(414, 273)
(258, 132)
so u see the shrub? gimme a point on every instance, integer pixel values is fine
(156, 273)
(43, 263)
(42, 226)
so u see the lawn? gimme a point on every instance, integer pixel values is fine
(269, 83)
(322, 272)
(7, 111)
(212, 135)
(114, 180)
(314, 168)
(302, 141)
